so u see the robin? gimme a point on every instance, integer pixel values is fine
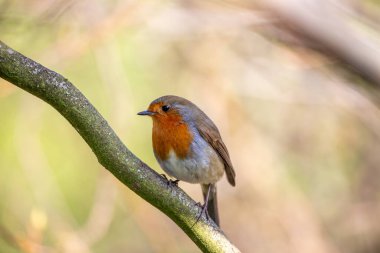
(188, 147)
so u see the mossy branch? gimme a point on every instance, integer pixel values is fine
(108, 148)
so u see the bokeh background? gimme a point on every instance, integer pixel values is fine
(291, 84)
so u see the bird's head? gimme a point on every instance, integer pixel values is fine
(170, 109)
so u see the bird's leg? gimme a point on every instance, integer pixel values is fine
(170, 182)
(204, 206)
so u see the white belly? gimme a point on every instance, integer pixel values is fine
(203, 165)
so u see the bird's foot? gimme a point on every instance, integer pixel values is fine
(203, 211)
(170, 182)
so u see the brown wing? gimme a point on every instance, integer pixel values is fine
(210, 133)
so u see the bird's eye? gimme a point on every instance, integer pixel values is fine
(165, 108)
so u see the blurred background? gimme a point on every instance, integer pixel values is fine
(292, 85)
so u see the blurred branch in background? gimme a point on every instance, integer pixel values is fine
(324, 26)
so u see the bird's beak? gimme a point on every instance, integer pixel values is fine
(148, 113)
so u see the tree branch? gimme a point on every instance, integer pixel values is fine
(108, 148)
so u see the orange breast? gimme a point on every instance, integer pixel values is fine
(170, 133)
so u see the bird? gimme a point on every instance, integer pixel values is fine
(188, 146)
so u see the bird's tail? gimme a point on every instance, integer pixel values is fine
(212, 203)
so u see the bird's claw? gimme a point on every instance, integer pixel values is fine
(203, 211)
(170, 182)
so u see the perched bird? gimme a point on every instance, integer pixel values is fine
(188, 147)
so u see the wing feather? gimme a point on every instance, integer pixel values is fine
(210, 133)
